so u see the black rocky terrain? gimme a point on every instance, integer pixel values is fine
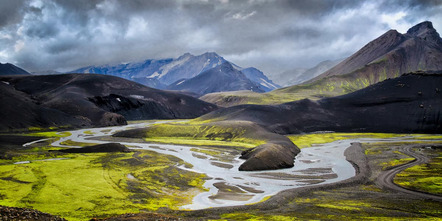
(85, 100)
(13, 213)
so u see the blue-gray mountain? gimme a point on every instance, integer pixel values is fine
(164, 73)
(223, 77)
(10, 69)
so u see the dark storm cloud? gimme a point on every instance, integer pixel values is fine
(11, 12)
(270, 35)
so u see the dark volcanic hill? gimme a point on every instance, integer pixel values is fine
(411, 103)
(10, 69)
(393, 54)
(223, 77)
(88, 100)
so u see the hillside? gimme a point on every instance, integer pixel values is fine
(411, 103)
(10, 69)
(77, 100)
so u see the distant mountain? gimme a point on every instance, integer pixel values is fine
(85, 100)
(301, 75)
(164, 72)
(411, 103)
(10, 69)
(223, 77)
(393, 54)
(256, 76)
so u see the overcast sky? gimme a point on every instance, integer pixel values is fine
(272, 35)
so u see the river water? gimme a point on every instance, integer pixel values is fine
(320, 164)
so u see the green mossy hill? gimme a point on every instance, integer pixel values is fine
(226, 133)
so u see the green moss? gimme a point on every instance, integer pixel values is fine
(424, 177)
(202, 134)
(98, 185)
(49, 134)
(396, 162)
(74, 143)
(307, 140)
(249, 216)
(88, 132)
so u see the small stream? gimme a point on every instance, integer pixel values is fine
(320, 164)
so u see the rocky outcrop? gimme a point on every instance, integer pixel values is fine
(14, 213)
(269, 156)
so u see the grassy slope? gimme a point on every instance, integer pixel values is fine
(95, 185)
(326, 87)
(232, 134)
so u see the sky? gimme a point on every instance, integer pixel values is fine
(271, 35)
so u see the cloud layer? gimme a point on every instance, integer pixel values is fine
(271, 35)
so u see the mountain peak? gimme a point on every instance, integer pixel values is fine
(211, 55)
(420, 28)
(425, 31)
(185, 55)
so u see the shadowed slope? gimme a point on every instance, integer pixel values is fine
(94, 100)
(411, 103)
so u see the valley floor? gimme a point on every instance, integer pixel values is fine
(98, 184)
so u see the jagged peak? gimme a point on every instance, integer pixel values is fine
(185, 55)
(424, 30)
(420, 28)
(211, 55)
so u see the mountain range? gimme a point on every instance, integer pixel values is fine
(388, 56)
(168, 73)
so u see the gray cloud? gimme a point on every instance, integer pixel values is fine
(271, 35)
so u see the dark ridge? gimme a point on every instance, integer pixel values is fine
(100, 148)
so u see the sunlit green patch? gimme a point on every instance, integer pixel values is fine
(49, 134)
(307, 140)
(424, 177)
(99, 185)
(396, 162)
(206, 151)
(88, 132)
(75, 143)
(202, 135)
(249, 216)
